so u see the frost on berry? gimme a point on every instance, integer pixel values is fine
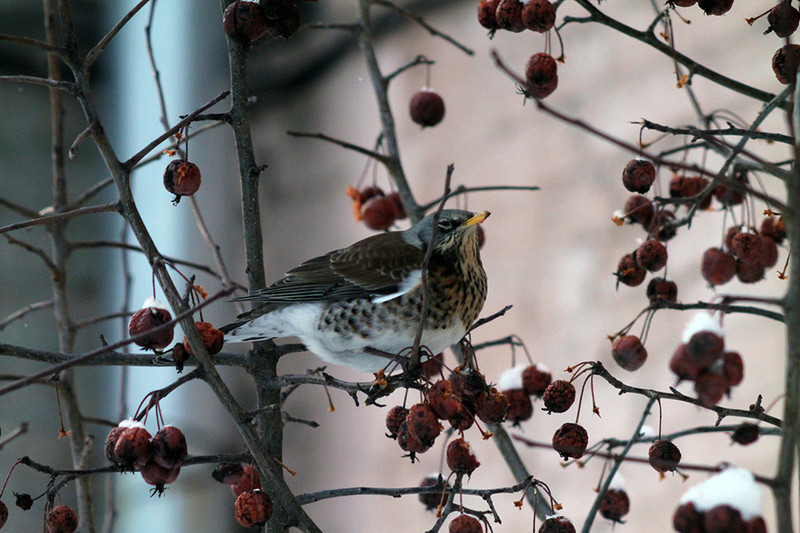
(614, 504)
(535, 379)
(152, 315)
(557, 524)
(169, 447)
(638, 175)
(783, 19)
(423, 424)
(541, 75)
(539, 15)
(629, 272)
(465, 523)
(784, 63)
(733, 489)
(426, 107)
(629, 352)
(213, 339)
(652, 255)
(664, 456)
(62, 519)
(111, 442)
(460, 458)
(558, 396)
(509, 15)
(394, 419)
(570, 441)
(253, 508)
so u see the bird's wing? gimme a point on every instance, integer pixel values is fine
(378, 266)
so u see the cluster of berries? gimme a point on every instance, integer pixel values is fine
(158, 458)
(375, 208)
(253, 506)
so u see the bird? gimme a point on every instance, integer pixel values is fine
(349, 304)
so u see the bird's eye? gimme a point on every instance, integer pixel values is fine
(445, 225)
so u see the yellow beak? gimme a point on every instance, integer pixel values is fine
(477, 218)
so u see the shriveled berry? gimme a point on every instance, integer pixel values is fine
(486, 14)
(541, 75)
(539, 15)
(745, 433)
(629, 272)
(639, 208)
(710, 388)
(133, 448)
(22, 500)
(394, 419)
(723, 519)
(228, 473)
(253, 508)
(661, 290)
(468, 383)
(283, 18)
(629, 352)
(783, 19)
(462, 421)
(652, 255)
(733, 368)
(662, 225)
(492, 406)
(62, 519)
(460, 458)
(158, 476)
(715, 7)
(431, 500)
(687, 519)
(179, 356)
(408, 442)
(169, 447)
(465, 523)
(638, 175)
(746, 247)
(111, 442)
(689, 187)
(444, 401)
(557, 524)
(520, 407)
(181, 178)
(250, 480)
(426, 107)
(535, 379)
(614, 504)
(509, 15)
(213, 339)
(774, 228)
(423, 424)
(664, 456)
(570, 441)
(149, 317)
(558, 396)
(718, 267)
(244, 21)
(784, 63)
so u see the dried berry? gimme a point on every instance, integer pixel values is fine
(746, 433)
(784, 63)
(228, 473)
(244, 21)
(159, 476)
(444, 401)
(465, 523)
(718, 267)
(111, 442)
(492, 407)
(509, 15)
(570, 441)
(431, 500)
(520, 407)
(213, 339)
(638, 175)
(23, 501)
(541, 75)
(468, 383)
(427, 107)
(423, 424)
(460, 458)
(152, 315)
(783, 19)
(539, 15)
(253, 508)
(133, 448)
(179, 356)
(662, 225)
(723, 519)
(746, 247)
(486, 14)
(557, 524)
(283, 18)
(181, 178)
(250, 480)
(408, 442)
(559, 396)
(661, 290)
(62, 519)
(664, 456)
(394, 419)
(169, 447)
(628, 352)
(715, 7)
(652, 255)
(614, 504)
(639, 209)
(535, 379)
(629, 272)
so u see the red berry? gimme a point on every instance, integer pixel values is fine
(705, 348)
(535, 379)
(400, 210)
(465, 524)
(746, 247)
(151, 316)
(379, 213)
(486, 14)
(394, 419)
(629, 272)
(769, 252)
(660, 291)
(3, 514)
(539, 15)
(682, 3)
(62, 519)
(408, 442)
(733, 368)
(520, 407)
(715, 7)
(652, 255)
(784, 63)
(783, 19)
(638, 175)
(756, 525)
(664, 456)
(509, 15)
(541, 75)
(431, 500)
(460, 458)
(181, 178)
(443, 400)
(468, 383)
(111, 442)
(169, 447)
(628, 352)
(662, 225)
(746, 433)
(774, 228)
(133, 448)
(570, 441)
(558, 396)
(249, 480)
(423, 424)
(253, 508)
(723, 519)
(213, 339)
(427, 107)
(614, 504)
(639, 209)
(687, 519)
(682, 364)
(718, 267)
(557, 524)
(749, 272)
(244, 21)
(159, 476)
(492, 407)
(179, 355)
(710, 388)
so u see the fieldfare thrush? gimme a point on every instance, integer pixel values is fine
(370, 296)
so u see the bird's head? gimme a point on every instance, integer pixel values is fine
(454, 227)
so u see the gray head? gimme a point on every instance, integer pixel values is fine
(454, 225)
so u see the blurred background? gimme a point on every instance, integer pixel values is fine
(550, 254)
